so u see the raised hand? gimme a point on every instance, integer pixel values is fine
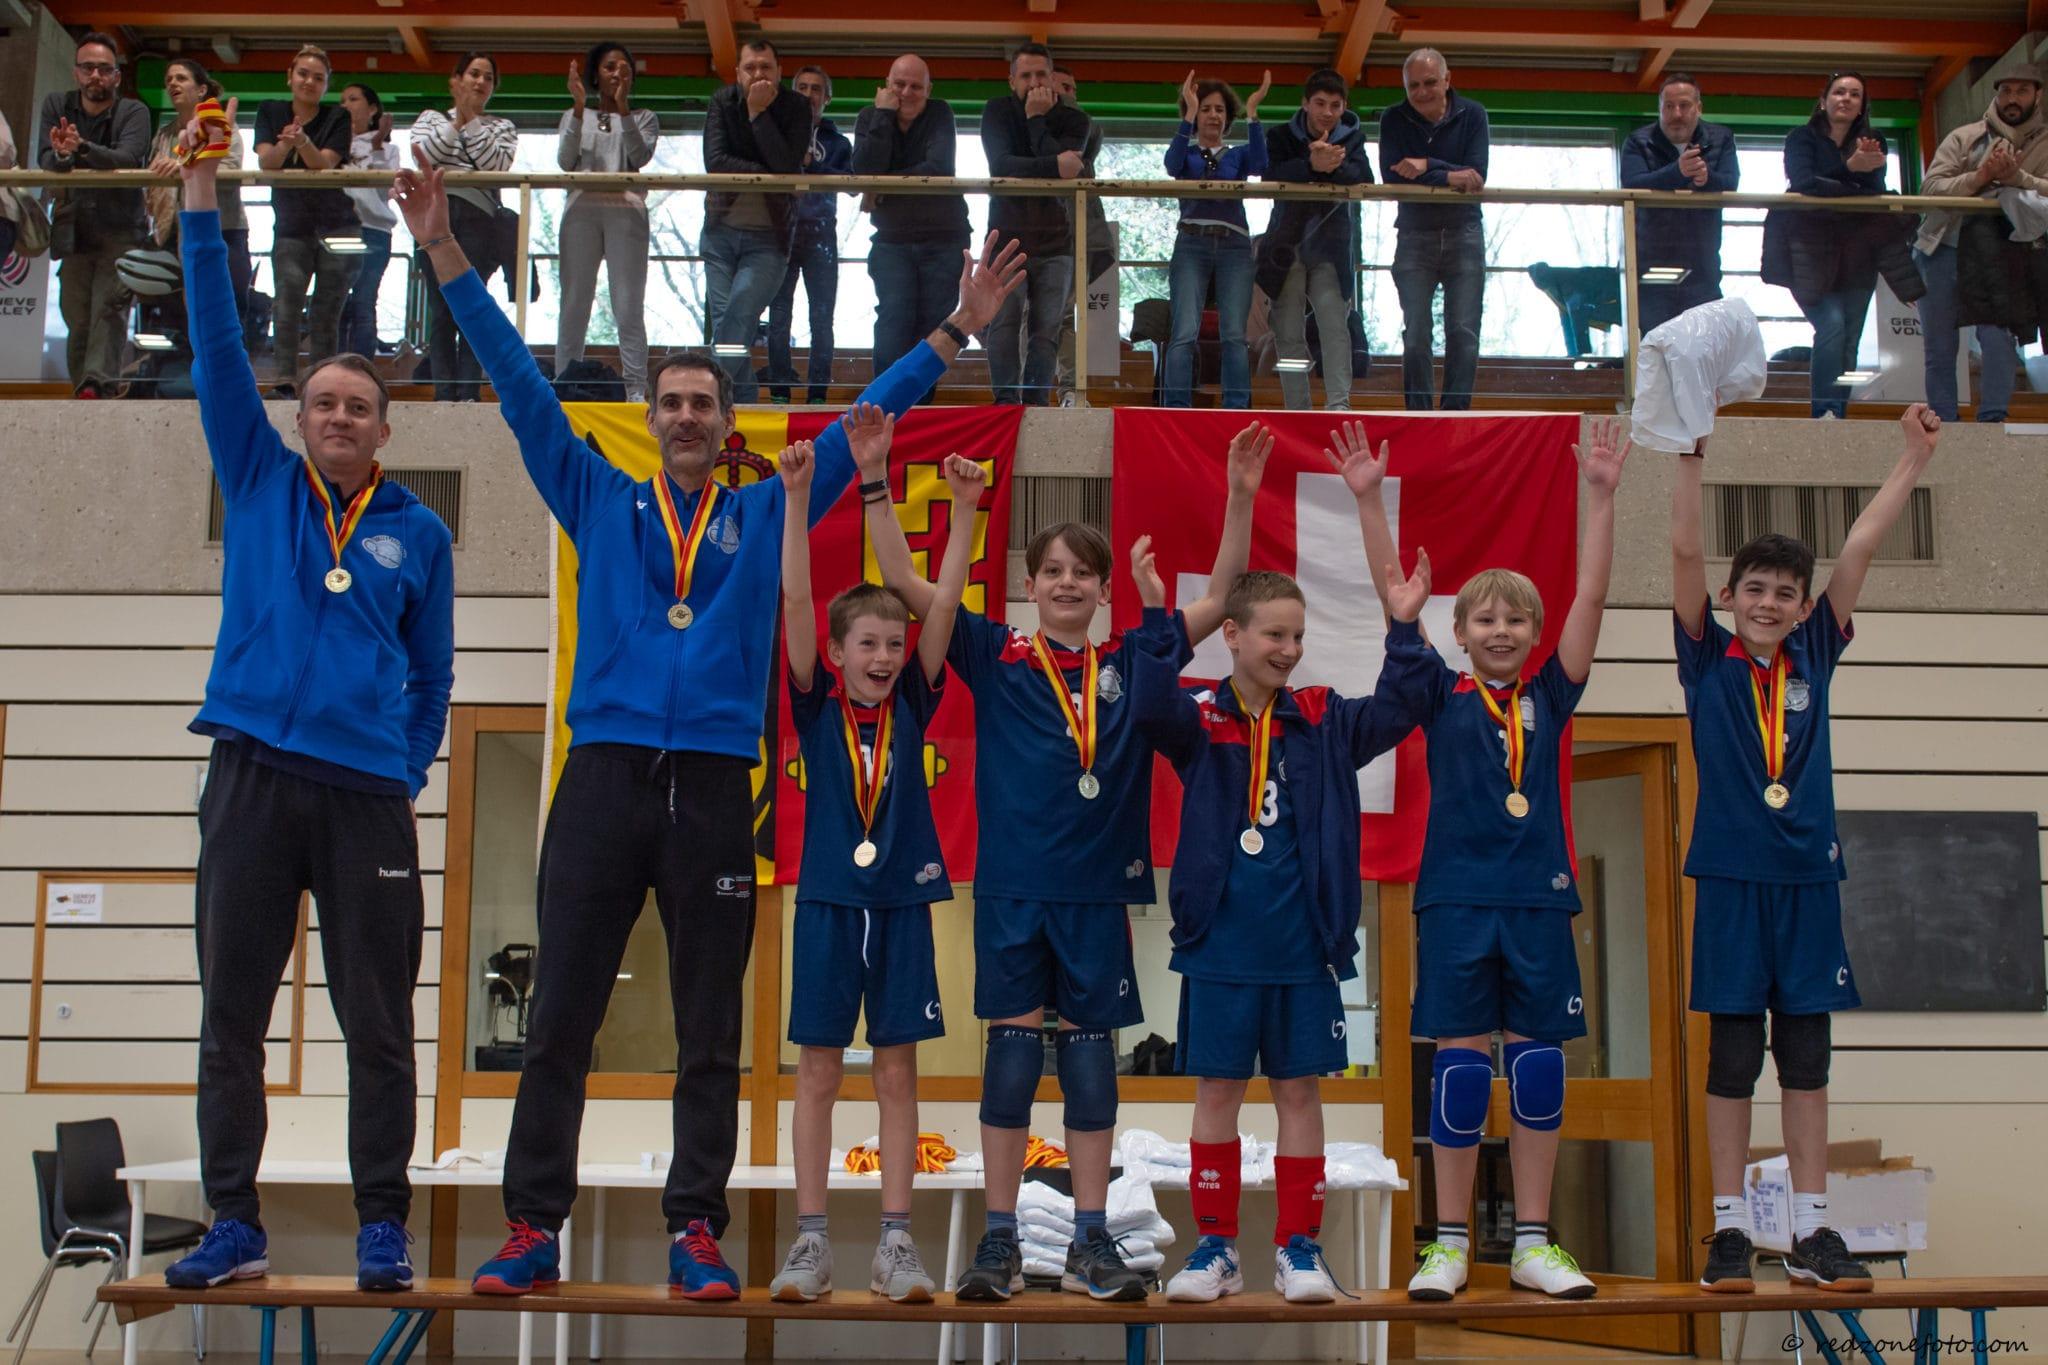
(65, 138)
(291, 135)
(1868, 156)
(1351, 455)
(195, 137)
(885, 98)
(870, 430)
(985, 283)
(1249, 450)
(578, 92)
(965, 479)
(1258, 97)
(382, 128)
(795, 466)
(760, 95)
(1188, 102)
(1922, 430)
(1145, 573)
(1325, 156)
(1602, 456)
(1039, 100)
(1406, 597)
(422, 197)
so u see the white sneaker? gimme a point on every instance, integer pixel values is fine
(1212, 1272)
(898, 1272)
(1442, 1274)
(806, 1271)
(1301, 1275)
(1550, 1270)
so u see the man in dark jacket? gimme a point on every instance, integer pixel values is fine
(1437, 137)
(1101, 241)
(97, 128)
(1314, 243)
(753, 127)
(1679, 152)
(1030, 133)
(814, 249)
(915, 258)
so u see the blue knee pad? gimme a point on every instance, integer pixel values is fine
(1009, 1078)
(1536, 1085)
(1460, 1086)
(1087, 1063)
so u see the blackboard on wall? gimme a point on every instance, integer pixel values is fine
(1942, 909)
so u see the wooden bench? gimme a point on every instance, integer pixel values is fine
(1923, 1298)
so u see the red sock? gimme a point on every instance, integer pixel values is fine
(1298, 1180)
(1214, 1183)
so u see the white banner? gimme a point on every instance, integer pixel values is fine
(24, 301)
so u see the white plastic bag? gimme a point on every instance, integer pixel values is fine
(1700, 361)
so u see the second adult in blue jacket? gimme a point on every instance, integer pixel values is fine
(1461, 139)
(1685, 238)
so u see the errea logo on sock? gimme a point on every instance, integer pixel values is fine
(1211, 1179)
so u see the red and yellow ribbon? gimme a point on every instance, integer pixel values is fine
(1767, 691)
(1260, 746)
(684, 544)
(338, 535)
(213, 120)
(1081, 722)
(934, 1156)
(1040, 1154)
(1509, 718)
(867, 782)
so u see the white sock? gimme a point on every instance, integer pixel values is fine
(1529, 1235)
(1731, 1211)
(1457, 1235)
(1809, 1214)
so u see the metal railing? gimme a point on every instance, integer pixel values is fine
(1078, 192)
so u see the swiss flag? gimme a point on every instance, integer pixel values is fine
(1477, 492)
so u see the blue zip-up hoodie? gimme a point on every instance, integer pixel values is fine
(1187, 159)
(1323, 738)
(1461, 140)
(358, 679)
(637, 679)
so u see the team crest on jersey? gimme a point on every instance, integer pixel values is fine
(1109, 684)
(929, 873)
(1562, 881)
(725, 534)
(1135, 870)
(386, 550)
(1798, 694)
(1528, 713)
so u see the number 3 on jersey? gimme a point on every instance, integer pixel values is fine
(1269, 809)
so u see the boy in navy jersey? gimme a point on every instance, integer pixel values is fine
(1266, 901)
(871, 867)
(1063, 788)
(1495, 895)
(1764, 859)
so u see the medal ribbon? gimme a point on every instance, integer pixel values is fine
(1261, 749)
(867, 785)
(338, 536)
(1510, 721)
(1767, 691)
(1081, 722)
(684, 544)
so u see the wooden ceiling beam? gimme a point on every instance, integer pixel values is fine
(1576, 30)
(1652, 68)
(716, 16)
(1358, 35)
(1651, 11)
(415, 45)
(1690, 12)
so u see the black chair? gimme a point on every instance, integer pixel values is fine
(62, 1246)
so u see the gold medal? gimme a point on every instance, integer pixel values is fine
(680, 616)
(867, 780)
(864, 853)
(1089, 786)
(1081, 720)
(1252, 842)
(339, 580)
(1518, 805)
(1509, 718)
(1767, 690)
(1777, 796)
(684, 544)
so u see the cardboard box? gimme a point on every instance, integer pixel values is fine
(1877, 1203)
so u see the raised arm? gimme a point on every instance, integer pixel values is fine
(1365, 474)
(1600, 462)
(1922, 430)
(869, 433)
(966, 479)
(799, 617)
(1688, 544)
(1247, 457)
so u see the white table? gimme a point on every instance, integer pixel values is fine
(597, 1177)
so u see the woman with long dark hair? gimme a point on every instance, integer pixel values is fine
(465, 138)
(1835, 154)
(186, 83)
(369, 149)
(607, 227)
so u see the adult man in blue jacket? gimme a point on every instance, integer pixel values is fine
(326, 704)
(1679, 152)
(678, 579)
(1323, 144)
(1437, 137)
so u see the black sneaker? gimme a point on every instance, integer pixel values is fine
(1728, 1269)
(997, 1272)
(1822, 1259)
(1095, 1268)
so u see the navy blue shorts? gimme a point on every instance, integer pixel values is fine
(843, 958)
(1232, 1031)
(1069, 956)
(1479, 968)
(1758, 945)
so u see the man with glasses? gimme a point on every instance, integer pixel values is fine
(93, 127)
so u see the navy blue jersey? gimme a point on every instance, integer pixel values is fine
(1734, 834)
(909, 869)
(1475, 852)
(1262, 933)
(1041, 839)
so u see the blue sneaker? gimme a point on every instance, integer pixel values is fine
(382, 1262)
(530, 1258)
(233, 1250)
(696, 1267)
(1211, 1272)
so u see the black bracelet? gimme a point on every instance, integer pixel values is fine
(873, 487)
(959, 337)
(879, 497)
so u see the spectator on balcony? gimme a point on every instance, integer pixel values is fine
(1437, 137)
(2006, 149)
(914, 260)
(813, 252)
(369, 149)
(96, 128)
(605, 227)
(1213, 249)
(1308, 258)
(465, 138)
(1679, 152)
(303, 134)
(1031, 133)
(186, 83)
(1101, 241)
(755, 126)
